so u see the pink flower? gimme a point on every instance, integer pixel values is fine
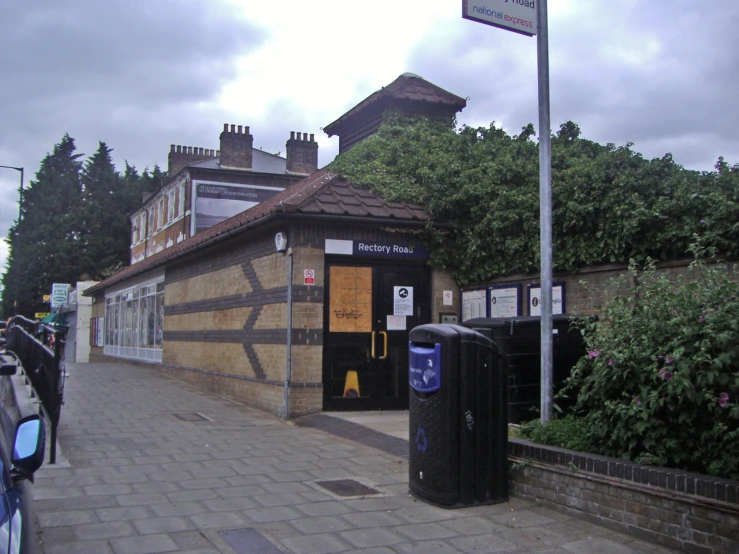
(637, 401)
(669, 360)
(723, 399)
(666, 375)
(593, 354)
(611, 362)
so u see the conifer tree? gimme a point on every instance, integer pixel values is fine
(44, 245)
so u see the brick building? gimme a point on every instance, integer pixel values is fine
(207, 186)
(300, 303)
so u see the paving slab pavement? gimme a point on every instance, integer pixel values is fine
(148, 464)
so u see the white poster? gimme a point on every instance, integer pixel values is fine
(59, 292)
(473, 304)
(396, 323)
(535, 300)
(448, 298)
(504, 302)
(403, 301)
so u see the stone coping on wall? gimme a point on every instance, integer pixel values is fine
(691, 486)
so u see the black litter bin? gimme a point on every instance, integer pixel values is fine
(520, 340)
(458, 429)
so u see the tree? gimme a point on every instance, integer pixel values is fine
(610, 205)
(74, 222)
(45, 243)
(107, 200)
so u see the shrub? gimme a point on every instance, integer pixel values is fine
(567, 432)
(660, 382)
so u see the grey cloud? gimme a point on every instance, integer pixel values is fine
(663, 77)
(137, 74)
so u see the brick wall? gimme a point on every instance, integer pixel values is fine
(684, 511)
(590, 287)
(440, 281)
(226, 316)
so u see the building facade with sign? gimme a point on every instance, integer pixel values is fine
(301, 303)
(205, 187)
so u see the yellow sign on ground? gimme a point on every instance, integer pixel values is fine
(40, 315)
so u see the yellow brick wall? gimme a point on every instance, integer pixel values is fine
(307, 315)
(305, 401)
(308, 258)
(223, 282)
(230, 319)
(271, 270)
(272, 316)
(273, 360)
(223, 357)
(441, 280)
(306, 363)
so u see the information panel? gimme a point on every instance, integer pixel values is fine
(518, 16)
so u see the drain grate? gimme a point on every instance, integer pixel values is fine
(190, 416)
(248, 541)
(347, 487)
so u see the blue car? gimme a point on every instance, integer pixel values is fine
(21, 454)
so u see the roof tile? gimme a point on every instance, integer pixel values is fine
(321, 193)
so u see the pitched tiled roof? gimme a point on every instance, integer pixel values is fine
(322, 194)
(406, 87)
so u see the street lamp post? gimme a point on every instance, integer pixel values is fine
(17, 242)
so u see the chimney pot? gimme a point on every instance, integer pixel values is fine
(236, 148)
(225, 127)
(171, 148)
(302, 156)
(312, 137)
(179, 149)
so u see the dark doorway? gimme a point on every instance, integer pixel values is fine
(369, 311)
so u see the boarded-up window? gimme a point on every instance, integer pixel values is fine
(350, 299)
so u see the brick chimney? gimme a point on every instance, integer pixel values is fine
(182, 156)
(236, 147)
(302, 154)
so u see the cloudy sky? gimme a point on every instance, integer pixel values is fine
(143, 74)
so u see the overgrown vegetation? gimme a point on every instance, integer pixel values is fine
(609, 203)
(660, 382)
(567, 432)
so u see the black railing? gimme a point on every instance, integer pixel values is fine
(40, 349)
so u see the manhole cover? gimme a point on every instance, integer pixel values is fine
(190, 416)
(347, 487)
(248, 541)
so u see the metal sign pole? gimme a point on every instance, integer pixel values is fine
(545, 210)
(518, 16)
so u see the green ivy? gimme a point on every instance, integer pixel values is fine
(481, 185)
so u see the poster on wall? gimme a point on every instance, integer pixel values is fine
(473, 304)
(558, 294)
(403, 301)
(505, 301)
(215, 202)
(350, 299)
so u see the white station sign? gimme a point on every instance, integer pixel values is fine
(518, 16)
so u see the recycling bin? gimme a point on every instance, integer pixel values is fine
(520, 340)
(458, 427)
